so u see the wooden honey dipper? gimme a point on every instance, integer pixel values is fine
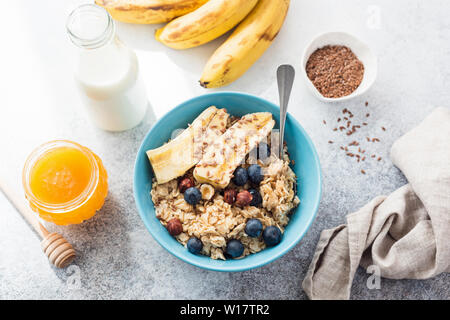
(58, 250)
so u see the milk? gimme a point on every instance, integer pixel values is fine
(106, 71)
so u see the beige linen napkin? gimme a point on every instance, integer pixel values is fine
(406, 234)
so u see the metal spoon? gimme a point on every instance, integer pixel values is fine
(285, 78)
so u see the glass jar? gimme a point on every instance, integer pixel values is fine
(106, 71)
(64, 182)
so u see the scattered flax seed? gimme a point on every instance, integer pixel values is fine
(349, 129)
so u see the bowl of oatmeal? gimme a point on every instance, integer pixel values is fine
(212, 187)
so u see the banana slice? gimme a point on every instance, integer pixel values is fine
(173, 159)
(229, 150)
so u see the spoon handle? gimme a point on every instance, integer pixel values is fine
(285, 78)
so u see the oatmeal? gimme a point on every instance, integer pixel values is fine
(244, 217)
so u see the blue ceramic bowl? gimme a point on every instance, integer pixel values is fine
(301, 150)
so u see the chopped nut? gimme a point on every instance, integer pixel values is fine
(243, 198)
(207, 191)
(185, 184)
(229, 195)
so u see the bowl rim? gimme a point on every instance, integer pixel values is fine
(229, 268)
(311, 86)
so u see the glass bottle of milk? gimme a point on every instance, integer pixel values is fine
(107, 72)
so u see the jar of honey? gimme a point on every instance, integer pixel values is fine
(64, 182)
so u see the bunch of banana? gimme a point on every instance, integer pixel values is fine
(149, 11)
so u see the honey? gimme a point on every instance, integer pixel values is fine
(64, 182)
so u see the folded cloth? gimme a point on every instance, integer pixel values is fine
(407, 234)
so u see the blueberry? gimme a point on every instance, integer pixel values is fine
(256, 197)
(194, 245)
(263, 151)
(240, 176)
(272, 236)
(192, 195)
(234, 248)
(253, 228)
(255, 173)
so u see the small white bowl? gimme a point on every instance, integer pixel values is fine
(360, 49)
